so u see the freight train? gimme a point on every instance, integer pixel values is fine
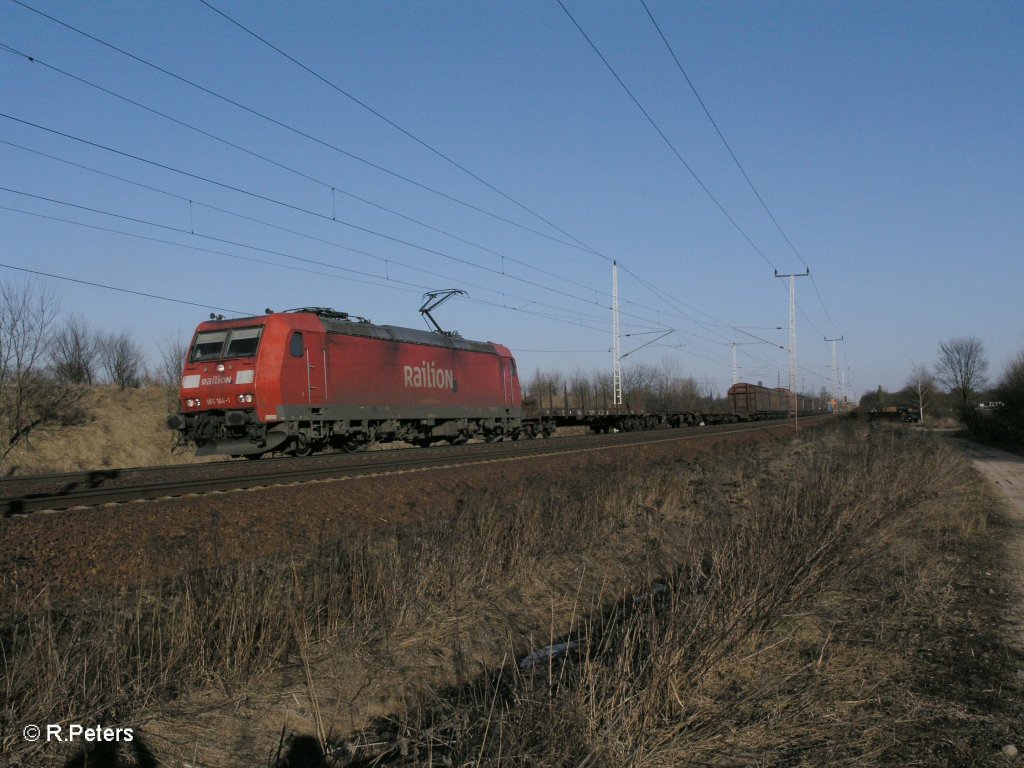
(312, 379)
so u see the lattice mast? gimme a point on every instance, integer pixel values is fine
(616, 343)
(792, 340)
(835, 375)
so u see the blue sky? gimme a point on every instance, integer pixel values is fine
(885, 139)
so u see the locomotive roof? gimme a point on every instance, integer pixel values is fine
(339, 322)
(407, 335)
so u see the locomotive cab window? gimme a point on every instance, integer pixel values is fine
(243, 342)
(208, 346)
(296, 346)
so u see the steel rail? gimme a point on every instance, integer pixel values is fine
(360, 466)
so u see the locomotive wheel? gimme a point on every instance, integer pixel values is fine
(253, 456)
(303, 447)
(352, 446)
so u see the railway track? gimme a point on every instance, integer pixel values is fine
(20, 496)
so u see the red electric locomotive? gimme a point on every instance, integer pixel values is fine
(303, 380)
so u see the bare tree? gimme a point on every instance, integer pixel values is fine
(122, 359)
(172, 352)
(29, 396)
(582, 391)
(547, 389)
(921, 387)
(961, 368)
(638, 385)
(172, 360)
(708, 391)
(74, 351)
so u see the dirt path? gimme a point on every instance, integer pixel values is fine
(1006, 472)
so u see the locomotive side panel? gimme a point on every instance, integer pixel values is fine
(369, 378)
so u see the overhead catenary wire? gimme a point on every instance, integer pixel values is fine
(577, 244)
(388, 279)
(461, 167)
(398, 284)
(40, 273)
(193, 202)
(673, 148)
(285, 126)
(334, 187)
(665, 138)
(396, 126)
(736, 160)
(299, 209)
(411, 245)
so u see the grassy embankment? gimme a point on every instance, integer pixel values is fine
(803, 603)
(118, 429)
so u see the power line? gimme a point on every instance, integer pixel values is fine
(672, 147)
(735, 159)
(334, 188)
(40, 273)
(664, 138)
(283, 125)
(263, 222)
(298, 208)
(298, 132)
(415, 289)
(325, 184)
(419, 287)
(400, 284)
(394, 125)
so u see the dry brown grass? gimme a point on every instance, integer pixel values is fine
(796, 636)
(121, 429)
(776, 605)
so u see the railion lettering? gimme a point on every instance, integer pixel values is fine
(428, 376)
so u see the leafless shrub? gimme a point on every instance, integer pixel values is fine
(1005, 421)
(644, 387)
(122, 360)
(172, 351)
(74, 352)
(29, 396)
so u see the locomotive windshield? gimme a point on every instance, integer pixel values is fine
(216, 345)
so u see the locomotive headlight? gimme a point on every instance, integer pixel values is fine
(220, 367)
(245, 398)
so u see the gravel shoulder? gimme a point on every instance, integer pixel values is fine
(1005, 471)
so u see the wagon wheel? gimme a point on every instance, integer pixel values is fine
(352, 446)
